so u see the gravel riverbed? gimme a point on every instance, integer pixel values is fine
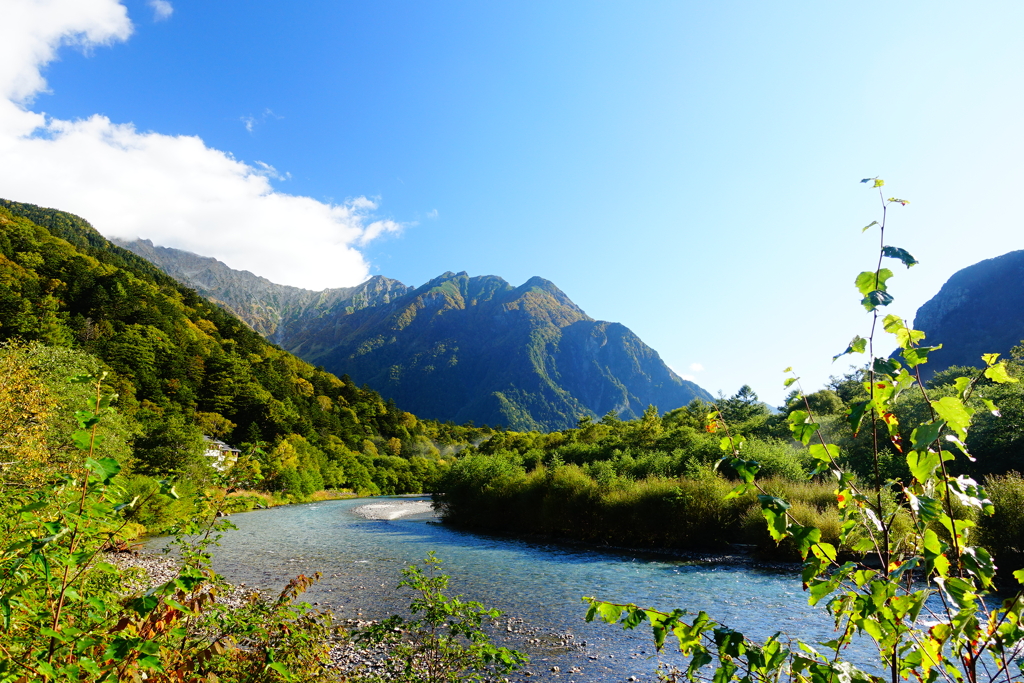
(346, 657)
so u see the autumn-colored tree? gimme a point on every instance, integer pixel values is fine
(25, 406)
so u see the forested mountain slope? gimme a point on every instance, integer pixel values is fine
(184, 365)
(477, 348)
(458, 348)
(979, 310)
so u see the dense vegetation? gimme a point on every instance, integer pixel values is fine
(184, 368)
(878, 483)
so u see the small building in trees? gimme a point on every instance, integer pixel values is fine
(221, 455)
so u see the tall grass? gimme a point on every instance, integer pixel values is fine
(592, 503)
(1003, 532)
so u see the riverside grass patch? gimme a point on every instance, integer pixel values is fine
(691, 513)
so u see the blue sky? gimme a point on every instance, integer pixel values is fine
(687, 169)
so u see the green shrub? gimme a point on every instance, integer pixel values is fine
(1003, 531)
(777, 458)
(157, 511)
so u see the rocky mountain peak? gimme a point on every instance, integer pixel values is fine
(458, 348)
(980, 309)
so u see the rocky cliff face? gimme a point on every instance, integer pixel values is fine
(979, 310)
(269, 308)
(458, 348)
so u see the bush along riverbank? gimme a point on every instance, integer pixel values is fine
(499, 494)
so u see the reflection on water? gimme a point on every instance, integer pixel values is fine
(361, 560)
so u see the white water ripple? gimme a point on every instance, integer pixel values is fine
(393, 509)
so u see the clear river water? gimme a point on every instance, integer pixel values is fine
(540, 583)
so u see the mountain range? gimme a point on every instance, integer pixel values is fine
(457, 348)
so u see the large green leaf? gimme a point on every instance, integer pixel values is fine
(876, 299)
(805, 537)
(103, 469)
(955, 413)
(86, 418)
(901, 254)
(730, 642)
(978, 563)
(858, 345)
(905, 336)
(922, 463)
(915, 356)
(774, 510)
(925, 435)
(856, 416)
(997, 373)
(699, 659)
(608, 612)
(928, 508)
(870, 281)
(801, 426)
(824, 456)
(885, 366)
(820, 588)
(82, 439)
(826, 552)
(959, 591)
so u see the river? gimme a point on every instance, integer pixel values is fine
(538, 582)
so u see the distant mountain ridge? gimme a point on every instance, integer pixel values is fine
(269, 308)
(979, 310)
(457, 348)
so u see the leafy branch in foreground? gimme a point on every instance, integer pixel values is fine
(925, 597)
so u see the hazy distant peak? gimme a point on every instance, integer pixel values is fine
(269, 308)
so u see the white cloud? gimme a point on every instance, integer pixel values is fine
(251, 122)
(161, 9)
(33, 30)
(378, 228)
(696, 367)
(432, 214)
(174, 190)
